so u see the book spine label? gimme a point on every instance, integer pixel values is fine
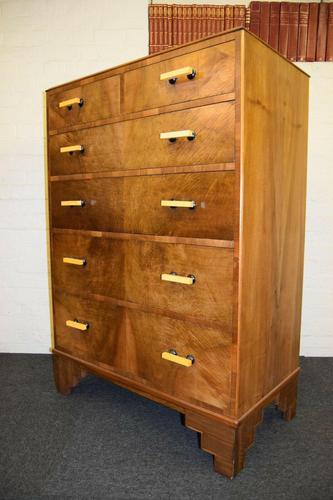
(322, 32)
(255, 18)
(302, 31)
(329, 46)
(264, 21)
(284, 29)
(312, 32)
(274, 25)
(293, 31)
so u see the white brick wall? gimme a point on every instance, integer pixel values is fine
(47, 42)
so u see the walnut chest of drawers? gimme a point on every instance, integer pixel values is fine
(177, 201)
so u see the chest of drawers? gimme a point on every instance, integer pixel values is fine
(177, 202)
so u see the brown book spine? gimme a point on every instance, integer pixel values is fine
(195, 22)
(302, 31)
(170, 28)
(218, 19)
(174, 25)
(247, 17)
(180, 25)
(151, 34)
(255, 18)
(222, 15)
(312, 32)
(293, 31)
(209, 20)
(185, 25)
(322, 32)
(329, 45)
(199, 13)
(190, 23)
(204, 21)
(156, 29)
(274, 24)
(284, 29)
(165, 26)
(213, 21)
(229, 17)
(264, 21)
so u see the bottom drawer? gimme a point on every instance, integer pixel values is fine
(132, 343)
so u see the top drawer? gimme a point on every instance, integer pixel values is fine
(214, 74)
(87, 103)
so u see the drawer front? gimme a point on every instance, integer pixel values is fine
(214, 74)
(87, 103)
(141, 272)
(131, 343)
(137, 144)
(133, 204)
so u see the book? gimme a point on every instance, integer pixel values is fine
(209, 20)
(160, 27)
(229, 17)
(284, 28)
(329, 45)
(302, 31)
(195, 22)
(312, 32)
(151, 28)
(180, 25)
(222, 17)
(322, 32)
(293, 31)
(264, 21)
(274, 25)
(174, 25)
(239, 15)
(170, 26)
(255, 18)
(199, 14)
(218, 19)
(213, 20)
(165, 26)
(247, 17)
(204, 21)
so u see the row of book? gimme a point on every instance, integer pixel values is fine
(299, 31)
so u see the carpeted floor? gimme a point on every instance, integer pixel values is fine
(105, 442)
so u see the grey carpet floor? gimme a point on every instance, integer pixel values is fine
(105, 442)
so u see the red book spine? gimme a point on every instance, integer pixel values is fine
(264, 21)
(302, 31)
(204, 22)
(274, 24)
(174, 25)
(222, 16)
(165, 26)
(247, 17)
(156, 30)
(170, 27)
(329, 46)
(284, 29)
(255, 18)
(322, 32)
(229, 17)
(293, 31)
(312, 32)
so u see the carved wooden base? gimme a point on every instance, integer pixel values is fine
(228, 443)
(67, 373)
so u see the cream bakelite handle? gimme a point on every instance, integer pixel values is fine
(78, 325)
(72, 149)
(175, 278)
(178, 203)
(172, 76)
(74, 261)
(173, 135)
(72, 203)
(69, 103)
(180, 360)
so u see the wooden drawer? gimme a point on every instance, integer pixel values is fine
(137, 144)
(131, 343)
(100, 100)
(132, 270)
(215, 74)
(133, 204)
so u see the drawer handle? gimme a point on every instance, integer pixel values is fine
(72, 149)
(74, 262)
(78, 325)
(69, 103)
(73, 203)
(180, 360)
(172, 76)
(178, 204)
(177, 134)
(176, 278)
